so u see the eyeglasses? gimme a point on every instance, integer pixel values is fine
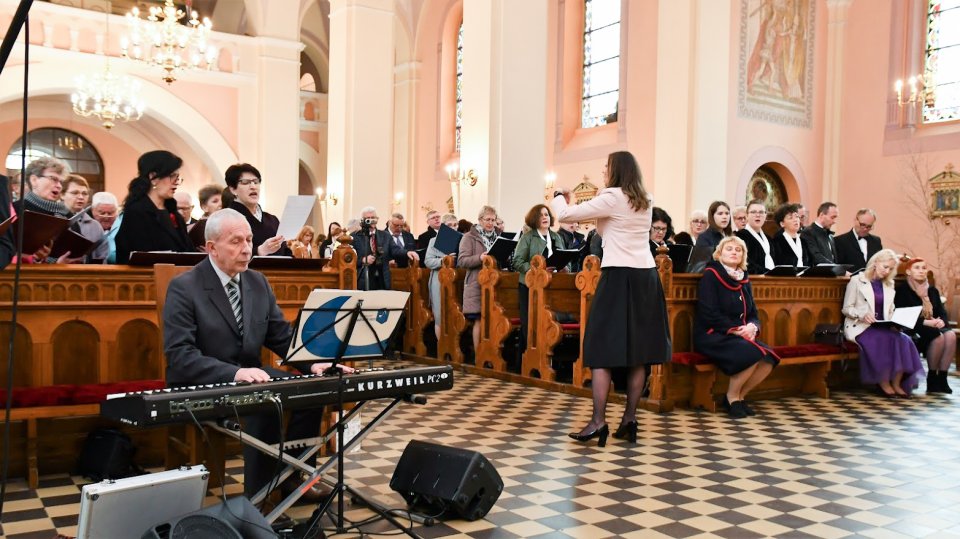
(176, 178)
(489, 219)
(864, 226)
(54, 178)
(757, 212)
(658, 228)
(698, 221)
(181, 208)
(249, 181)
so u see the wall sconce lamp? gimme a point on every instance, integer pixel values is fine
(549, 183)
(921, 94)
(331, 197)
(456, 175)
(397, 198)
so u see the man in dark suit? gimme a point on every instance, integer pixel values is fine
(858, 245)
(573, 240)
(433, 226)
(818, 238)
(375, 250)
(217, 318)
(401, 238)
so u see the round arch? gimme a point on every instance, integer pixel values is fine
(175, 115)
(784, 164)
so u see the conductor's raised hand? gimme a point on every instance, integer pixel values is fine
(251, 375)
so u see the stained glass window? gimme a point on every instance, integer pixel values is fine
(941, 70)
(601, 62)
(459, 115)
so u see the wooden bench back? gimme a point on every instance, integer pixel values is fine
(415, 280)
(550, 293)
(451, 310)
(498, 305)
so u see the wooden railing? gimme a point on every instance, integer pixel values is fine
(86, 324)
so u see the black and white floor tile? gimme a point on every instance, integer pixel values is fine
(855, 465)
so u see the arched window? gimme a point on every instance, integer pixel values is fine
(601, 62)
(459, 112)
(941, 67)
(71, 148)
(307, 83)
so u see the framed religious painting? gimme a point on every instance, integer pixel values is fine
(945, 193)
(766, 185)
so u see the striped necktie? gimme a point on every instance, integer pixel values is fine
(233, 294)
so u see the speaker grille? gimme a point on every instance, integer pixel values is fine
(203, 527)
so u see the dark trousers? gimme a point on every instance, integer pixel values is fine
(259, 468)
(523, 304)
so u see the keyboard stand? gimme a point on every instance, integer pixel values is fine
(299, 462)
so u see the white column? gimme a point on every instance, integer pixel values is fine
(836, 37)
(672, 168)
(711, 103)
(361, 100)
(407, 78)
(504, 114)
(277, 152)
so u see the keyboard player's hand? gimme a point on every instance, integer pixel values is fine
(318, 368)
(252, 374)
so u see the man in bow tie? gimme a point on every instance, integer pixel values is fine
(818, 238)
(858, 245)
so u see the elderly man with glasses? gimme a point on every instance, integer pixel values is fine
(858, 245)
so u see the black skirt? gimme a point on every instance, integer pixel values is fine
(628, 325)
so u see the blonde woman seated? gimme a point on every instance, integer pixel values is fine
(888, 358)
(304, 246)
(726, 325)
(434, 261)
(935, 338)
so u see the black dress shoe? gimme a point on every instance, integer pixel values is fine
(627, 431)
(748, 409)
(601, 433)
(737, 411)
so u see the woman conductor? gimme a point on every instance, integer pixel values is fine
(628, 319)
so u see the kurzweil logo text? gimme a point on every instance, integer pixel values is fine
(406, 381)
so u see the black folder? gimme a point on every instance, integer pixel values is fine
(448, 240)
(39, 229)
(509, 235)
(680, 256)
(562, 257)
(785, 271)
(73, 243)
(825, 270)
(502, 249)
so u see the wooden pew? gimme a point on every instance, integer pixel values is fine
(86, 326)
(453, 323)
(550, 293)
(414, 279)
(789, 308)
(587, 281)
(499, 313)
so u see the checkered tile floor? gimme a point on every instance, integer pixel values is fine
(856, 465)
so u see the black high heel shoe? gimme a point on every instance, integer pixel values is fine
(601, 433)
(627, 431)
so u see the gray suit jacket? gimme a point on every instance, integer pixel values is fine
(200, 335)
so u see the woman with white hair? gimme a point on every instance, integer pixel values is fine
(698, 224)
(888, 358)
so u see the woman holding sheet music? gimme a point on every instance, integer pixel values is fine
(888, 358)
(628, 318)
(540, 240)
(473, 246)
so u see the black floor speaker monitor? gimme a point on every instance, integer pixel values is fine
(238, 519)
(447, 479)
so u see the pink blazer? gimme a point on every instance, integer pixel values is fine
(625, 232)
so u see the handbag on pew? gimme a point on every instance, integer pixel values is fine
(829, 334)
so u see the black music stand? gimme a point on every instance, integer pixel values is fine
(353, 315)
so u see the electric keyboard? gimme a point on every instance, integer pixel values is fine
(215, 401)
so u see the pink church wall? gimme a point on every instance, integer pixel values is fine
(874, 164)
(218, 104)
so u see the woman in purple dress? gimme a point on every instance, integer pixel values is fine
(888, 358)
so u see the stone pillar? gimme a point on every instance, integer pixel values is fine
(361, 106)
(504, 114)
(833, 109)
